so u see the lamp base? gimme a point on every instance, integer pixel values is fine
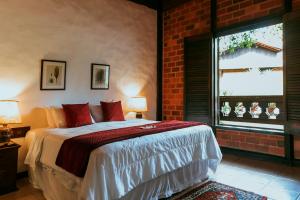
(139, 115)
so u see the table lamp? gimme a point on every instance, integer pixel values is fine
(138, 105)
(9, 114)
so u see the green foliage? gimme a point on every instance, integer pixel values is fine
(231, 43)
(243, 41)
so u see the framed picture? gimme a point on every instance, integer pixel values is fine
(53, 75)
(99, 76)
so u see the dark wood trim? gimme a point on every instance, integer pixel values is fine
(8, 167)
(159, 104)
(194, 39)
(169, 4)
(247, 102)
(153, 4)
(42, 69)
(289, 148)
(92, 75)
(213, 15)
(289, 153)
(255, 155)
(288, 5)
(291, 89)
(214, 71)
(21, 175)
(296, 162)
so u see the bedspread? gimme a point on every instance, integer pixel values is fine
(117, 168)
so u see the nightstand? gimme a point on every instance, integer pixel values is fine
(8, 167)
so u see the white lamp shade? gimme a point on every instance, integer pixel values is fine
(9, 112)
(137, 104)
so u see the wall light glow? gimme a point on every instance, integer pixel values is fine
(132, 89)
(10, 89)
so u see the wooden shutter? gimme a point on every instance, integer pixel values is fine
(292, 63)
(197, 79)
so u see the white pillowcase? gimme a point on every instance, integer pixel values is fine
(58, 116)
(50, 120)
(96, 113)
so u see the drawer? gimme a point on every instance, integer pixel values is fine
(2, 156)
(8, 154)
(8, 168)
(7, 177)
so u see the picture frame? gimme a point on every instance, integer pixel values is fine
(100, 74)
(53, 75)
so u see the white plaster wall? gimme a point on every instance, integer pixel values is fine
(115, 32)
(81, 32)
(252, 83)
(251, 58)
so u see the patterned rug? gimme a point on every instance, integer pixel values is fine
(217, 191)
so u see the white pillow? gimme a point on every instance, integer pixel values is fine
(58, 116)
(50, 120)
(97, 113)
(93, 121)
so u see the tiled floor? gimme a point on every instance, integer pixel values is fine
(274, 180)
(277, 181)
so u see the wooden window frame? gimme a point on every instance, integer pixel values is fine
(241, 27)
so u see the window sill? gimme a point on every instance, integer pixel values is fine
(251, 129)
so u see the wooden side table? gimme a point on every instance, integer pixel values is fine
(8, 167)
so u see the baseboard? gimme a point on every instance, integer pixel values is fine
(297, 162)
(22, 174)
(254, 155)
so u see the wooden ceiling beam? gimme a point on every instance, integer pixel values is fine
(169, 4)
(149, 3)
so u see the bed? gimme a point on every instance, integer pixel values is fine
(149, 167)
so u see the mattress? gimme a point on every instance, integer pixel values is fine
(116, 169)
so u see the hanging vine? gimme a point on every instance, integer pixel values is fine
(231, 43)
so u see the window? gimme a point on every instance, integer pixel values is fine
(250, 78)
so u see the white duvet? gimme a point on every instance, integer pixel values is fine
(117, 168)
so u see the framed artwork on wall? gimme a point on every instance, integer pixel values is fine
(100, 76)
(53, 75)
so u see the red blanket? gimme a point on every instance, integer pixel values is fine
(74, 153)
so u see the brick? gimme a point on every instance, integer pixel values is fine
(280, 143)
(258, 1)
(233, 8)
(261, 148)
(247, 146)
(223, 4)
(193, 18)
(252, 140)
(276, 151)
(296, 4)
(245, 4)
(268, 142)
(239, 13)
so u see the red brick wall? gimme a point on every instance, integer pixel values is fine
(233, 11)
(296, 4)
(192, 18)
(262, 143)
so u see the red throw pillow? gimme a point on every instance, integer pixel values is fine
(77, 115)
(112, 111)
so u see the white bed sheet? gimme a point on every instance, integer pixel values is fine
(116, 169)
